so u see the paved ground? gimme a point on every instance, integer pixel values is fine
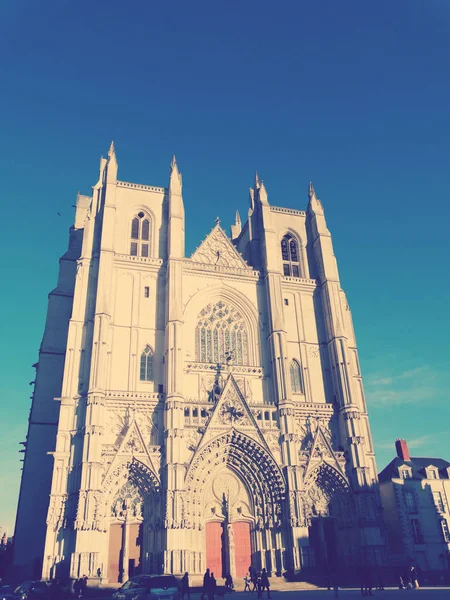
(344, 594)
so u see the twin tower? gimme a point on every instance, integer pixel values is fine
(194, 412)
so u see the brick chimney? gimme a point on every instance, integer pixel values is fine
(402, 449)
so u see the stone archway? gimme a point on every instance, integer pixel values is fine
(325, 493)
(255, 488)
(229, 525)
(133, 514)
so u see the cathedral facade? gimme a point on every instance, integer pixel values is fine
(194, 412)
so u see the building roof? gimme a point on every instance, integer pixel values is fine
(417, 464)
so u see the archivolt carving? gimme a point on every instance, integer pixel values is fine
(257, 468)
(324, 487)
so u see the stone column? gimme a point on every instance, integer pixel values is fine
(231, 550)
(125, 549)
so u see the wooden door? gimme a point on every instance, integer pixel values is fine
(242, 547)
(115, 547)
(135, 547)
(214, 551)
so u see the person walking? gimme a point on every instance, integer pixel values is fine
(83, 585)
(413, 578)
(185, 589)
(229, 582)
(206, 578)
(253, 577)
(265, 583)
(247, 581)
(54, 590)
(212, 587)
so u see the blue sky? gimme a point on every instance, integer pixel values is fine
(352, 95)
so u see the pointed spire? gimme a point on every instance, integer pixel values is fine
(257, 182)
(237, 227)
(251, 198)
(112, 166)
(263, 194)
(314, 204)
(175, 176)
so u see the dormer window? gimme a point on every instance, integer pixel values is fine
(140, 235)
(289, 256)
(405, 473)
(432, 473)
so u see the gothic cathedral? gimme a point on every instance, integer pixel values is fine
(202, 411)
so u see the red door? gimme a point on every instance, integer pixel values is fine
(214, 548)
(242, 547)
(115, 545)
(134, 548)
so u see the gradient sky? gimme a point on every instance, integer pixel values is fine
(352, 95)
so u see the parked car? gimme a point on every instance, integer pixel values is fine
(149, 587)
(6, 592)
(30, 590)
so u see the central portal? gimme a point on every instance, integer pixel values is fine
(228, 548)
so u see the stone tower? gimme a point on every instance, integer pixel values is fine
(202, 411)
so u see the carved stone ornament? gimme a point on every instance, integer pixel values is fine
(128, 502)
(192, 439)
(232, 412)
(316, 502)
(217, 249)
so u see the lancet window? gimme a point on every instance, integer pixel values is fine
(290, 256)
(140, 235)
(146, 372)
(221, 335)
(296, 378)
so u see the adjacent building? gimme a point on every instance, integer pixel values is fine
(415, 493)
(196, 411)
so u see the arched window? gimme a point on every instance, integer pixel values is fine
(221, 335)
(147, 364)
(140, 235)
(296, 378)
(289, 256)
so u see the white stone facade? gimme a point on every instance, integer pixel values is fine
(196, 403)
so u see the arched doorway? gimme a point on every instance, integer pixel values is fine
(228, 535)
(125, 555)
(239, 490)
(133, 510)
(325, 492)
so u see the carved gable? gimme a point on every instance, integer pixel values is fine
(232, 412)
(322, 452)
(218, 250)
(133, 445)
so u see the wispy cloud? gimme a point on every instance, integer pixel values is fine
(380, 380)
(418, 442)
(407, 387)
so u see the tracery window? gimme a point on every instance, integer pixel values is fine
(221, 335)
(140, 235)
(146, 373)
(290, 257)
(296, 378)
